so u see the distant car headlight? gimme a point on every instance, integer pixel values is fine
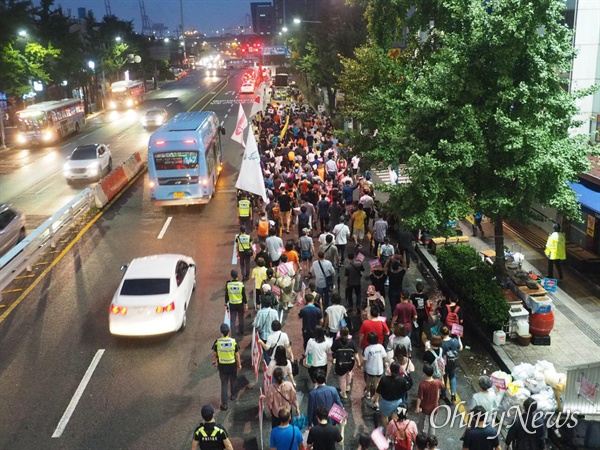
(159, 120)
(113, 105)
(208, 73)
(48, 136)
(144, 121)
(21, 139)
(66, 169)
(129, 102)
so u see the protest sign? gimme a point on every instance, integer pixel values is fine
(338, 413)
(359, 257)
(457, 329)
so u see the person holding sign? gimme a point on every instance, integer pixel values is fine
(324, 435)
(280, 395)
(451, 346)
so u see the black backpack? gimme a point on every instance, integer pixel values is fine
(344, 360)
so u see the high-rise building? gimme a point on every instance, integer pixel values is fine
(263, 17)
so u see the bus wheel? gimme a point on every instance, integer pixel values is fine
(76, 127)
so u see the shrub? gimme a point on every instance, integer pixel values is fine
(474, 281)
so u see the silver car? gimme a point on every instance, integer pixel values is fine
(12, 228)
(154, 118)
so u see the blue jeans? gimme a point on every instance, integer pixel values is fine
(451, 369)
(324, 293)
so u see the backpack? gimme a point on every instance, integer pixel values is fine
(452, 316)
(439, 365)
(276, 212)
(344, 360)
(263, 228)
(402, 441)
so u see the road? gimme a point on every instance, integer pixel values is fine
(143, 393)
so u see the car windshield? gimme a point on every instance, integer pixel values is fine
(154, 112)
(146, 286)
(84, 153)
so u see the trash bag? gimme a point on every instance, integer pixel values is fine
(546, 400)
(522, 371)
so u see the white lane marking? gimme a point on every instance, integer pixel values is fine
(44, 188)
(225, 116)
(169, 104)
(120, 137)
(164, 228)
(77, 396)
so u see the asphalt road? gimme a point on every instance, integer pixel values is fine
(143, 393)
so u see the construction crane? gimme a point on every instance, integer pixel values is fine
(146, 22)
(107, 7)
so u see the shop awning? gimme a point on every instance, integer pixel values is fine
(587, 197)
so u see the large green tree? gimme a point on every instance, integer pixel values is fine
(478, 111)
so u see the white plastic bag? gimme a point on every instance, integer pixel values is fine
(546, 400)
(522, 371)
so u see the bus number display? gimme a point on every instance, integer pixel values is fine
(176, 160)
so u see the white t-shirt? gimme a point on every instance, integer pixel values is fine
(287, 370)
(341, 233)
(284, 340)
(355, 162)
(323, 238)
(319, 351)
(374, 356)
(335, 314)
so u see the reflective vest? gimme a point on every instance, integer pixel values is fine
(226, 350)
(556, 246)
(244, 208)
(234, 292)
(263, 228)
(244, 242)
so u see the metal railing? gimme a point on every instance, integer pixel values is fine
(26, 252)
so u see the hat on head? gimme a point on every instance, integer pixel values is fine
(207, 412)
(224, 328)
(371, 290)
(266, 287)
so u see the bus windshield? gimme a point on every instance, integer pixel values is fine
(178, 160)
(30, 123)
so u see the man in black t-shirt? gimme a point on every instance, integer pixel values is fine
(324, 436)
(285, 206)
(311, 317)
(480, 436)
(210, 435)
(420, 299)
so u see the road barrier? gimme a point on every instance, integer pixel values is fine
(26, 252)
(110, 185)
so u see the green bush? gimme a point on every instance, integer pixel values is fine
(474, 281)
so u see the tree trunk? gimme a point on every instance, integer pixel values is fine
(331, 99)
(499, 266)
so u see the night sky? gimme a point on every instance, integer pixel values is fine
(206, 16)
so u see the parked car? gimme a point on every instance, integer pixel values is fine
(153, 296)
(88, 162)
(12, 228)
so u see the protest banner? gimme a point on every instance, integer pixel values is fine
(256, 352)
(499, 383)
(374, 263)
(359, 257)
(261, 413)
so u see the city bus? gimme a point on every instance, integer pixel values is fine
(184, 159)
(126, 94)
(48, 122)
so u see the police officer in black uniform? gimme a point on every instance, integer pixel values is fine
(210, 435)
(226, 356)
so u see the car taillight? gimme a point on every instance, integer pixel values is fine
(118, 310)
(162, 309)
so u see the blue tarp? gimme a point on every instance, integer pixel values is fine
(587, 197)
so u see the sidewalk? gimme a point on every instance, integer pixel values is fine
(575, 338)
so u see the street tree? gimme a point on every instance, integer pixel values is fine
(483, 122)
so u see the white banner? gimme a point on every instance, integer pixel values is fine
(241, 125)
(251, 178)
(259, 100)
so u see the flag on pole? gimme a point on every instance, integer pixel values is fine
(251, 177)
(257, 105)
(241, 125)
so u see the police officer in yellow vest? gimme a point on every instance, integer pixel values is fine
(556, 251)
(210, 435)
(244, 251)
(245, 212)
(226, 356)
(236, 302)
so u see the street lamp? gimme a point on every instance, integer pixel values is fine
(91, 65)
(298, 21)
(167, 40)
(23, 33)
(118, 39)
(284, 29)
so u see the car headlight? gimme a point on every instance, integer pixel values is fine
(113, 105)
(208, 73)
(66, 168)
(144, 121)
(159, 120)
(93, 168)
(129, 102)
(21, 139)
(48, 136)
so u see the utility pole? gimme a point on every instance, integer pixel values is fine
(2, 135)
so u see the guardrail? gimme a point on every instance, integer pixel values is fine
(25, 253)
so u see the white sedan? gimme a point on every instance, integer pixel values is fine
(87, 162)
(153, 296)
(247, 88)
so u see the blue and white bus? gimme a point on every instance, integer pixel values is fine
(184, 159)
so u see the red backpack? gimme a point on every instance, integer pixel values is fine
(402, 441)
(452, 316)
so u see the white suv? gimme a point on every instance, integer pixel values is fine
(88, 162)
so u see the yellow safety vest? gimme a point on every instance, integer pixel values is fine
(204, 434)
(244, 242)
(234, 291)
(556, 246)
(226, 350)
(244, 208)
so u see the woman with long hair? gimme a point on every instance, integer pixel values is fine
(317, 349)
(280, 394)
(345, 355)
(401, 428)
